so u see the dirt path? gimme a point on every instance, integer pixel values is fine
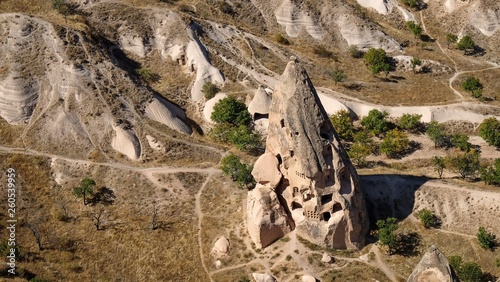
(380, 264)
(199, 214)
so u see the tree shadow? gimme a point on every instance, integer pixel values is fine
(105, 196)
(354, 86)
(427, 38)
(408, 244)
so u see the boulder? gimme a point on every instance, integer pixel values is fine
(263, 277)
(433, 267)
(319, 189)
(327, 258)
(266, 218)
(221, 247)
(308, 278)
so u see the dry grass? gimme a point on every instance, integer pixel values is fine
(354, 271)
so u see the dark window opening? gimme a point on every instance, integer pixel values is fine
(323, 135)
(337, 207)
(326, 216)
(291, 153)
(280, 160)
(297, 133)
(258, 116)
(282, 123)
(296, 205)
(326, 198)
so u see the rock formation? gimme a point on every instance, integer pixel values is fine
(433, 267)
(305, 168)
(221, 247)
(263, 277)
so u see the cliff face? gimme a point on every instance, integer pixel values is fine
(319, 188)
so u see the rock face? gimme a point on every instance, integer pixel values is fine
(263, 277)
(319, 190)
(221, 247)
(433, 267)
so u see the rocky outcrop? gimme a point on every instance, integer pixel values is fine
(221, 247)
(319, 190)
(434, 267)
(263, 277)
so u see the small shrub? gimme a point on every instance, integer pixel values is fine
(281, 39)
(461, 141)
(474, 86)
(497, 262)
(238, 171)
(377, 61)
(209, 89)
(342, 124)
(486, 239)
(376, 122)
(489, 130)
(466, 164)
(338, 76)
(147, 75)
(466, 43)
(491, 175)
(395, 144)
(451, 38)
(355, 52)
(410, 122)
(226, 8)
(439, 164)
(322, 52)
(386, 233)
(427, 218)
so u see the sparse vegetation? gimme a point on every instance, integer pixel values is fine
(85, 189)
(466, 43)
(415, 28)
(467, 272)
(427, 217)
(281, 39)
(439, 165)
(238, 171)
(147, 75)
(338, 76)
(343, 125)
(489, 130)
(395, 143)
(410, 122)
(386, 234)
(209, 89)
(486, 239)
(322, 52)
(414, 63)
(376, 122)
(377, 61)
(361, 148)
(451, 39)
(474, 86)
(355, 52)
(491, 174)
(415, 4)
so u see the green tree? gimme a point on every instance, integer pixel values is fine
(486, 239)
(439, 165)
(361, 148)
(415, 28)
(427, 218)
(343, 125)
(209, 89)
(377, 61)
(85, 189)
(489, 130)
(466, 43)
(451, 39)
(461, 141)
(338, 76)
(410, 122)
(436, 132)
(470, 272)
(455, 262)
(238, 171)
(412, 3)
(491, 175)
(395, 144)
(474, 86)
(232, 111)
(245, 139)
(414, 63)
(386, 234)
(376, 122)
(466, 164)
(281, 39)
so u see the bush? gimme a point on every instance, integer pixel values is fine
(439, 164)
(461, 141)
(355, 52)
(322, 52)
(338, 76)
(226, 8)
(238, 171)
(377, 61)
(343, 125)
(416, 29)
(436, 133)
(466, 43)
(474, 86)
(410, 122)
(466, 272)
(466, 164)
(229, 110)
(281, 39)
(491, 175)
(427, 218)
(451, 38)
(209, 89)
(395, 144)
(361, 148)
(412, 3)
(240, 136)
(386, 235)
(376, 122)
(147, 75)
(489, 130)
(486, 239)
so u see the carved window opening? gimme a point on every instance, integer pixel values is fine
(326, 198)
(291, 153)
(296, 205)
(326, 216)
(337, 207)
(280, 160)
(295, 191)
(282, 123)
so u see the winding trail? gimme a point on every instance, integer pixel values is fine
(199, 214)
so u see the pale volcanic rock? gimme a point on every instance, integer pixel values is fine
(164, 112)
(266, 218)
(327, 258)
(260, 102)
(221, 247)
(266, 170)
(321, 188)
(126, 142)
(294, 20)
(308, 278)
(434, 267)
(263, 277)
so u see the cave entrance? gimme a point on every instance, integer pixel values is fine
(326, 216)
(296, 205)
